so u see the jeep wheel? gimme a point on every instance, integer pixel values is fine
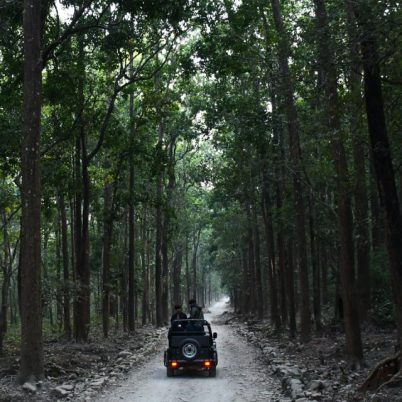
(169, 372)
(212, 372)
(189, 349)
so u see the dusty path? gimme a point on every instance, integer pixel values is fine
(241, 377)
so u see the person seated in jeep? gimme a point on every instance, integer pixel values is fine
(195, 310)
(178, 314)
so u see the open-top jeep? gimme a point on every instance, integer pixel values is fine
(191, 346)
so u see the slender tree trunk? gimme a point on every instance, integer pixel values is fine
(270, 247)
(165, 268)
(158, 239)
(245, 286)
(107, 244)
(5, 288)
(145, 282)
(324, 274)
(124, 278)
(258, 270)
(290, 289)
(377, 234)
(359, 156)
(296, 162)
(83, 268)
(66, 275)
(59, 291)
(151, 278)
(82, 271)
(316, 270)
(177, 263)
(77, 231)
(188, 277)
(196, 242)
(252, 285)
(131, 215)
(31, 364)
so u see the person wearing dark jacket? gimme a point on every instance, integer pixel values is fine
(178, 314)
(195, 310)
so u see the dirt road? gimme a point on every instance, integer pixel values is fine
(241, 376)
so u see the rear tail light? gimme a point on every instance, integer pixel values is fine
(207, 364)
(174, 364)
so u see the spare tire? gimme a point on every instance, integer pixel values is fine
(189, 349)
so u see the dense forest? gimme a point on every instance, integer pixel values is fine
(154, 151)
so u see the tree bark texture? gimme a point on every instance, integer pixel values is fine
(131, 217)
(30, 263)
(359, 157)
(107, 244)
(270, 249)
(158, 240)
(66, 274)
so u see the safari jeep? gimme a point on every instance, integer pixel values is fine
(191, 346)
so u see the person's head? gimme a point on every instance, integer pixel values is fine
(177, 308)
(192, 302)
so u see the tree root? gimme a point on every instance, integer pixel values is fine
(387, 373)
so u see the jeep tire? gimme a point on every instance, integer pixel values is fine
(189, 349)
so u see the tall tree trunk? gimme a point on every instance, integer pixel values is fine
(245, 285)
(381, 153)
(279, 190)
(145, 281)
(131, 216)
(196, 242)
(158, 236)
(290, 290)
(316, 270)
(344, 209)
(131, 251)
(82, 271)
(66, 275)
(177, 263)
(251, 277)
(83, 267)
(5, 288)
(296, 162)
(188, 276)
(31, 365)
(165, 267)
(270, 247)
(59, 291)
(77, 229)
(258, 270)
(107, 244)
(376, 216)
(359, 156)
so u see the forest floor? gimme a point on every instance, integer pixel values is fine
(79, 372)
(255, 365)
(318, 371)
